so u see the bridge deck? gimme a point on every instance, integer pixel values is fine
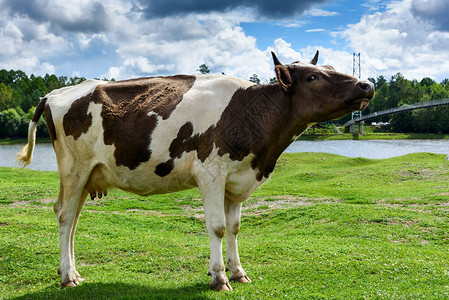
(432, 103)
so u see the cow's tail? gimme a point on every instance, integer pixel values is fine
(25, 156)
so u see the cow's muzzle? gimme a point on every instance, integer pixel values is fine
(365, 92)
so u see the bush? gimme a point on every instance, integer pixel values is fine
(14, 123)
(10, 121)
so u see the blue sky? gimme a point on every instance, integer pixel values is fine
(131, 38)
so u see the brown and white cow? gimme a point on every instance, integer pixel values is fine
(165, 134)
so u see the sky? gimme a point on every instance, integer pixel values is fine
(124, 39)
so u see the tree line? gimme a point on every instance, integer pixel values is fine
(20, 93)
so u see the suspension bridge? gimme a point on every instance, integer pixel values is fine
(360, 120)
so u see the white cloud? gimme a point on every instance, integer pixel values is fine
(84, 40)
(315, 30)
(434, 11)
(317, 12)
(28, 45)
(284, 52)
(180, 44)
(292, 24)
(397, 40)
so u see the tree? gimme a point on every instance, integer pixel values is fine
(380, 81)
(52, 82)
(5, 77)
(6, 99)
(426, 81)
(9, 123)
(254, 78)
(76, 80)
(203, 69)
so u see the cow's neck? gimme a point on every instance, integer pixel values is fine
(276, 127)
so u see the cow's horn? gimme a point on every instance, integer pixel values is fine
(275, 59)
(315, 58)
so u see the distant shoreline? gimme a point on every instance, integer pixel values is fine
(373, 136)
(23, 141)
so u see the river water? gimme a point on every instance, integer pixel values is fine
(45, 159)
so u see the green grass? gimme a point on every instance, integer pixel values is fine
(323, 227)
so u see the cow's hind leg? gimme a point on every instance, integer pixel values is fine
(68, 208)
(233, 211)
(83, 199)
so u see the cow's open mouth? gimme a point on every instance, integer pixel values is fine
(360, 103)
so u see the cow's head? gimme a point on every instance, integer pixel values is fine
(319, 93)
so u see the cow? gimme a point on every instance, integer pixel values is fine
(165, 134)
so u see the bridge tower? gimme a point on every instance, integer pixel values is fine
(356, 72)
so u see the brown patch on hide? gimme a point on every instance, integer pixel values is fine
(39, 110)
(43, 108)
(163, 169)
(50, 124)
(255, 121)
(160, 95)
(126, 107)
(77, 121)
(185, 142)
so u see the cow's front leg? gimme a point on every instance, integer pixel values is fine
(212, 192)
(233, 212)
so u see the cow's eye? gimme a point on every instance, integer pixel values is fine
(311, 78)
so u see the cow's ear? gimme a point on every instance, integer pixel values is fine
(282, 74)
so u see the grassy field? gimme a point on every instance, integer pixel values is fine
(324, 227)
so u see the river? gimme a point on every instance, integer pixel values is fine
(45, 159)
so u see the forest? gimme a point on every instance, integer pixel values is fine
(20, 93)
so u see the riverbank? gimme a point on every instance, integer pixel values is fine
(373, 136)
(23, 141)
(369, 133)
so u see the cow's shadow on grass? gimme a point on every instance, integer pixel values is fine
(119, 291)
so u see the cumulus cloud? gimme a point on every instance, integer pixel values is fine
(27, 45)
(78, 16)
(433, 11)
(215, 40)
(400, 40)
